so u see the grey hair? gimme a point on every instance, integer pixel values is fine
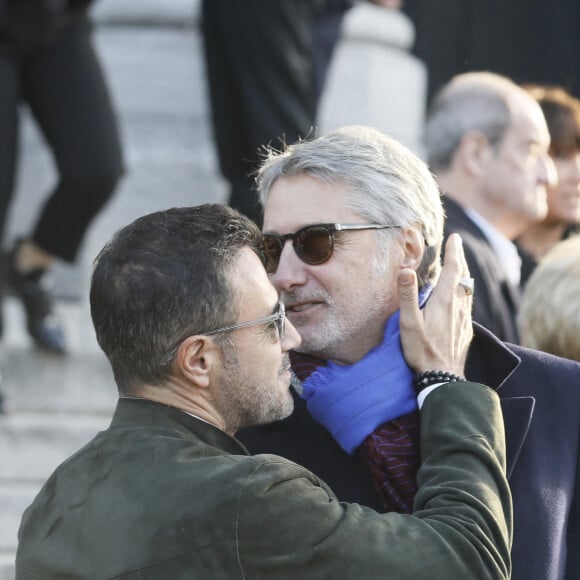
(387, 183)
(479, 101)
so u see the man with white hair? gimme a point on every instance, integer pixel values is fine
(343, 215)
(487, 143)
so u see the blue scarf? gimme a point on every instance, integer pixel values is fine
(351, 401)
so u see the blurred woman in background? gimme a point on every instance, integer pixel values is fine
(562, 112)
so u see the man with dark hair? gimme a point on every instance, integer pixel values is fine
(198, 341)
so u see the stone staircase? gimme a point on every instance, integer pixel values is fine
(152, 56)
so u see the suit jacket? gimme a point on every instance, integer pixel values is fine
(161, 495)
(540, 397)
(496, 300)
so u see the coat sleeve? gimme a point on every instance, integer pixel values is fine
(290, 525)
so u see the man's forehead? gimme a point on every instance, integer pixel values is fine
(302, 200)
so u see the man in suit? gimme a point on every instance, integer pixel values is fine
(339, 287)
(487, 143)
(198, 341)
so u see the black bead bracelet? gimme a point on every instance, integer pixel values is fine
(428, 378)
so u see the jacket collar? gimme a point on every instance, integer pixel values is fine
(456, 214)
(492, 362)
(134, 413)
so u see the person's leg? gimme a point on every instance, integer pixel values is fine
(65, 90)
(9, 96)
(67, 94)
(259, 59)
(9, 91)
(226, 106)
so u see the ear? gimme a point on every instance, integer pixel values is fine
(473, 152)
(413, 247)
(196, 360)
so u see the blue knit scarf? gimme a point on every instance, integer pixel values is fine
(351, 401)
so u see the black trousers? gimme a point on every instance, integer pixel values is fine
(261, 78)
(62, 83)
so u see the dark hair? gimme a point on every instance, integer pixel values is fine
(562, 112)
(161, 279)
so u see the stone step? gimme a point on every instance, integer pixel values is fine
(16, 497)
(32, 445)
(34, 381)
(37, 382)
(6, 566)
(170, 13)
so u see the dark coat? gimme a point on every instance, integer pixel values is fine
(540, 397)
(161, 495)
(496, 300)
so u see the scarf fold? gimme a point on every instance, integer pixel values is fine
(370, 409)
(351, 401)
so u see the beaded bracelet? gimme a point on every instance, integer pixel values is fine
(428, 378)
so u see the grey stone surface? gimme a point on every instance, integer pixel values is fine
(56, 404)
(147, 12)
(373, 79)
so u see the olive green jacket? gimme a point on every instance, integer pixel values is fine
(162, 495)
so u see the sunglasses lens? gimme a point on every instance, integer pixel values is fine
(271, 251)
(313, 245)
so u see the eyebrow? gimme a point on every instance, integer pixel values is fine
(273, 311)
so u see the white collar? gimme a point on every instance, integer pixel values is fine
(503, 248)
(152, 401)
(199, 418)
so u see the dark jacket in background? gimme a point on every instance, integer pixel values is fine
(496, 300)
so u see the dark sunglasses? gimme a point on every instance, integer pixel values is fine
(313, 244)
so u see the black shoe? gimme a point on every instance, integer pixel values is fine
(33, 289)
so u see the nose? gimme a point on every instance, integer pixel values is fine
(291, 337)
(547, 171)
(291, 271)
